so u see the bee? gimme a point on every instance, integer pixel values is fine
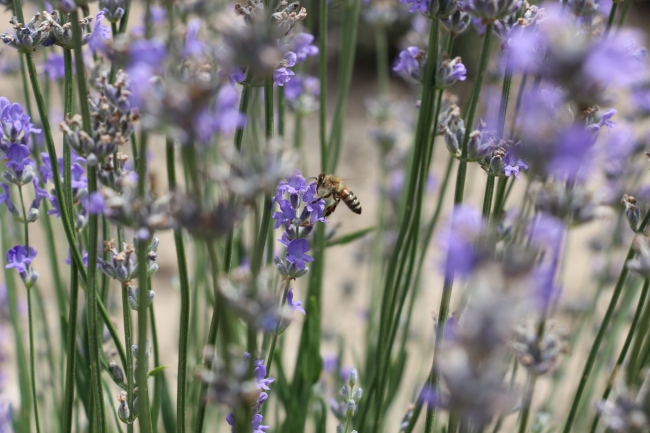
(330, 185)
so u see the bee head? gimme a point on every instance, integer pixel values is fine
(321, 178)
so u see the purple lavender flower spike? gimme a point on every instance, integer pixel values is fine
(256, 424)
(295, 305)
(460, 238)
(94, 204)
(19, 257)
(296, 253)
(286, 215)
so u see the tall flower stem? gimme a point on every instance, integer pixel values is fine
(503, 110)
(184, 282)
(144, 409)
(626, 346)
(591, 359)
(128, 341)
(528, 398)
(610, 19)
(458, 198)
(274, 339)
(71, 337)
(32, 355)
(322, 57)
(626, 8)
(30, 310)
(93, 232)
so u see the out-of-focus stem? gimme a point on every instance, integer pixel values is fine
(626, 346)
(591, 359)
(458, 198)
(323, 84)
(274, 339)
(32, 355)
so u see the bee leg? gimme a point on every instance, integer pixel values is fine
(331, 208)
(321, 197)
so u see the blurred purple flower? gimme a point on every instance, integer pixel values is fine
(54, 67)
(605, 119)
(295, 305)
(19, 257)
(301, 44)
(296, 253)
(571, 155)
(417, 5)
(298, 86)
(408, 62)
(460, 238)
(99, 34)
(94, 203)
(194, 47)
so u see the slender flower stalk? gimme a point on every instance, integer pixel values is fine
(591, 359)
(274, 338)
(443, 313)
(626, 346)
(183, 275)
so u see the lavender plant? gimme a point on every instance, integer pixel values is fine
(546, 116)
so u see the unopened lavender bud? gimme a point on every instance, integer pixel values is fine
(281, 266)
(92, 160)
(354, 375)
(350, 408)
(30, 278)
(474, 146)
(116, 372)
(632, 213)
(152, 269)
(123, 411)
(357, 394)
(340, 428)
(134, 351)
(345, 392)
(155, 243)
(457, 23)
(121, 273)
(300, 272)
(33, 215)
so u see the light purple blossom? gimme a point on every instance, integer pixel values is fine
(281, 76)
(54, 67)
(18, 158)
(296, 253)
(20, 257)
(302, 46)
(99, 34)
(417, 5)
(605, 119)
(408, 62)
(194, 47)
(459, 240)
(295, 305)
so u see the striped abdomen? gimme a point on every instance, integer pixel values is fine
(351, 200)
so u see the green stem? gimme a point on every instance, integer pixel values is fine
(125, 18)
(487, 198)
(274, 339)
(458, 198)
(591, 359)
(322, 115)
(71, 346)
(626, 8)
(128, 341)
(32, 355)
(381, 44)
(500, 199)
(610, 19)
(528, 398)
(144, 409)
(624, 349)
(184, 281)
(157, 386)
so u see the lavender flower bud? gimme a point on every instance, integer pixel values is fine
(340, 428)
(350, 408)
(116, 371)
(491, 10)
(641, 263)
(457, 23)
(123, 411)
(345, 392)
(27, 37)
(356, 395)
(33, 215)
(113, 9)
(632, 213)
(354, 375)
(452, 127)
(282, 22)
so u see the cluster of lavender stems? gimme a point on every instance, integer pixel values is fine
(218, 85)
